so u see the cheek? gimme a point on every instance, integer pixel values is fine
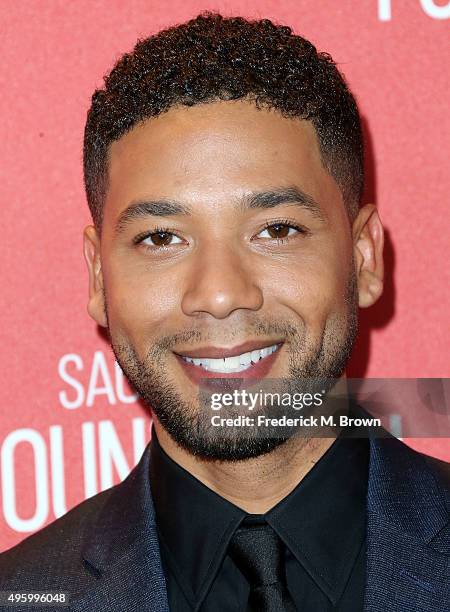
(141, 302)
(313, 288)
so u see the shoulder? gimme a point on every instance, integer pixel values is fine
(401, 465)
(439, 468)
(53, 553)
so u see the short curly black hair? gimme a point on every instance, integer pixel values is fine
(212, 58)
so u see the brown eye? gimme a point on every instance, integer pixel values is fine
(278, 231)
(161, 238)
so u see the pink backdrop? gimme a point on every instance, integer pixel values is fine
(69, 424)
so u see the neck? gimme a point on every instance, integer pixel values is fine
(256, 485)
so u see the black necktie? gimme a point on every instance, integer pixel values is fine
(258, 552)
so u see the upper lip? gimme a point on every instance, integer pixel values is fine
(217, 352)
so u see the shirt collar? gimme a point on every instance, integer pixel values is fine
(322, 521)
(195, 524)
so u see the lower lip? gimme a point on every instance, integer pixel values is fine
(202, 377)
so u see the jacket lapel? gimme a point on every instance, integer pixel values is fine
(121, 551)
(407, 533)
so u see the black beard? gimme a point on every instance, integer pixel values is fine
(183, 422)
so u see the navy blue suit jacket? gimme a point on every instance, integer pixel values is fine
(105, 552)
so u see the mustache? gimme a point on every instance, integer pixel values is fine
(215, 334)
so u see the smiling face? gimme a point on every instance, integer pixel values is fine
(223, 235)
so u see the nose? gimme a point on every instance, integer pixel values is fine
(220, 282)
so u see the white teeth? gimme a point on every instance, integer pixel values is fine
(232, 362)
(256, 356)
(245, 359)
(231, 365)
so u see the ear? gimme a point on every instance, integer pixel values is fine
(368, 241)
(91, 250)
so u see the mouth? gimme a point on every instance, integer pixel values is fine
(249, 360)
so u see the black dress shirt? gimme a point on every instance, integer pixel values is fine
(321, 522)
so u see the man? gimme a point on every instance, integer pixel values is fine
(224, 169)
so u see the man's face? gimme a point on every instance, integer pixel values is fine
(245, 244)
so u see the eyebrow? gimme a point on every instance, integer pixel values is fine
(149, 208)
(262, 199)
(283, 195)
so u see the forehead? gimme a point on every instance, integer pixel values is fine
(211, 152)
